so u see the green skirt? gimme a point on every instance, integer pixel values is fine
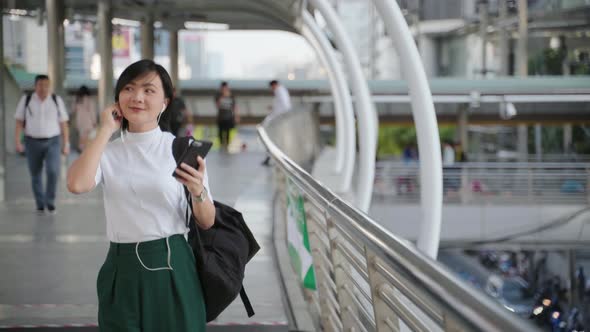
(133, 298)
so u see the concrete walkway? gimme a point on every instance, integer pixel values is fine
(50, 263)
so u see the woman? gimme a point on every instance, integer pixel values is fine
(149, 281)
(227, 114)
(85, 116)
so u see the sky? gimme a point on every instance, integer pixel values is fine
(246, 49)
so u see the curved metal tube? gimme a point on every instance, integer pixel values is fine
(338, 108)
(426, 124)
(345, 133)
(365, 110)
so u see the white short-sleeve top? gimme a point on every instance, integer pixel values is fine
(43, 116)
(142, 200)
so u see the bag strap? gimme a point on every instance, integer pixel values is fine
(179, 144)
(246, 301)
(28, 101)
(54, 97)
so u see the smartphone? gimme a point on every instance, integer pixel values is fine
(194, 149)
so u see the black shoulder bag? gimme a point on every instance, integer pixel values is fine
(221, 251)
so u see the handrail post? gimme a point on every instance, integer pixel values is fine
(381, 310)
(341, 279)
(322, 285)
(466, 192)
(530, 183)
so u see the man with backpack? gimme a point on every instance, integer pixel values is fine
(43, 117)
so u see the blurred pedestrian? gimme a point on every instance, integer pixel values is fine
(448, 154)
(581, 284)
(281, 103)
(407, 154)
(86, 117)
(43, 117)
(460, 154)
(448, 161)
(227, 114)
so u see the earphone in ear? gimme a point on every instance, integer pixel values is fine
(162, 111)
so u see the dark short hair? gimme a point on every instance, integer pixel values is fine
(41, 77)
(83, 91)
(140, 68)
(223, 84)
(273, 82)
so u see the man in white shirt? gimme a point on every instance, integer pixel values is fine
(43, 117)
(281, 103)
(448, 154)
(450, 175)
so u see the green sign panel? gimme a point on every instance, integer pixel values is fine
(297, 237)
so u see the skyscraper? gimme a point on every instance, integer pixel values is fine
(192, 47)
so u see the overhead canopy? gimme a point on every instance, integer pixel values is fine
(238, 14)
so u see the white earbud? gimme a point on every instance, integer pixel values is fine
(162, 111)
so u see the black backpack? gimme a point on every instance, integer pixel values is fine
(28, 101)
(221, 252)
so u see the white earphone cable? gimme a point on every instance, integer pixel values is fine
(162, 111)
(169, 267)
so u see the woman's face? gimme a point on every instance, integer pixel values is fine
(141, 101)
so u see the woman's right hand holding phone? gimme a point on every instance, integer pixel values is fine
(110, 118)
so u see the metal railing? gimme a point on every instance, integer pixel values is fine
(554, 5)
(369, 280)
(530, 158)
(498, 183)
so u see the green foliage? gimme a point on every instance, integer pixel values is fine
(551, 139)
(393, 139)
(581, 139)
(581, 69)
(547, 62)
(553, 61)
(447, 133)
